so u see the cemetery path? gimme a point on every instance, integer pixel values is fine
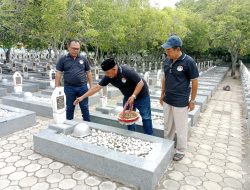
(218, 148)
(218, 156)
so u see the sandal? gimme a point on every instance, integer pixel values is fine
(178, 156)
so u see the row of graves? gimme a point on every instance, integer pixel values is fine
(22, 56)
(245, 83)
(102, 146)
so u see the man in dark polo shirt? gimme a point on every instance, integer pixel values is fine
(77, 74)
(132, 86)
(179, 70)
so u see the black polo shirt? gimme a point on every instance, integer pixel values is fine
(74, 70)
(177, 83)
(126, 80)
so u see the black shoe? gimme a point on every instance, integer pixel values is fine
(178, 156)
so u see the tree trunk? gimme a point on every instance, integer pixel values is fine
(7, 55)
(234, 56)
(54, 47)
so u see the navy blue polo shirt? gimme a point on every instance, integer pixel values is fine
(177, 80)
(126, 80)
(74, 70)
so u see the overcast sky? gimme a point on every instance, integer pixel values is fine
(163, 3)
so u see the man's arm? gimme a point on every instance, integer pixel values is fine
(58, 78)
(135, 93)
(194, 89)
(90, 92)
(90, 78)
(162, 90)
(138, 88)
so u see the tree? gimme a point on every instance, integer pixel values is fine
(230, 28)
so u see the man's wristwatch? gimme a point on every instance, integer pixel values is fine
(192, 101)
(134, 96)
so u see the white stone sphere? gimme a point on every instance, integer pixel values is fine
(81, 130)
(5, 81)
(27, 95)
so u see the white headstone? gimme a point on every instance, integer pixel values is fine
(96, 73)
(5, 81)
(149, 66)
(59, 105)
(47, 68)
(104, 96)
(135, 66)
(18, 82)
(146, 77)
(158, 77)
(52, 77)
(143, 67)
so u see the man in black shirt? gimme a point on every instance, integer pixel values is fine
(76, 76)
(132, 86)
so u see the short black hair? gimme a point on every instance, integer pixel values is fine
(73, 40)
(175, 47)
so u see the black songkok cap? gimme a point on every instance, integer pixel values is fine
(108, 64)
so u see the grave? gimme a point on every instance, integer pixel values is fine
(209, 88)
(11, 117)
(42, 83)
(17, 85)
(3, 92)
(142, 170)
(39, 104)
(206, 93)
(1, 73)
(108, 116)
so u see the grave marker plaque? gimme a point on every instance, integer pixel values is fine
(59, 105)
(60, 102)
(18, 80)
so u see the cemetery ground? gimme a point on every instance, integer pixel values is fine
(217, 158)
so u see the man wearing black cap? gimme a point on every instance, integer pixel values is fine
(132, 86)
(179, 70)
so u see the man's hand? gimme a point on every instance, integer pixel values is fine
(131, 102)
(78, 100)
(191, 105)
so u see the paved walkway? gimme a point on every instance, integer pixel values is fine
(216, 148)
(217, 158)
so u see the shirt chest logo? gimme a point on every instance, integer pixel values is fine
(81, 62)
(180, 68)
(124, 80)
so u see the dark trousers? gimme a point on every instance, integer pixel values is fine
(72, 93)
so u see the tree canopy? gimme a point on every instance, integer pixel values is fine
(128, 26)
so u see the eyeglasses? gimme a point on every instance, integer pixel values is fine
(75, 49)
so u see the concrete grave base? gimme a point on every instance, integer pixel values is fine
(27, 87)
(129, 169)
(22, 120)
(3, 92)
(42, 109)
(107, 117)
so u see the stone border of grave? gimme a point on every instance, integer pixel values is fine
(245, 84)
(121, 167)
(22, 120)
(41, 109)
